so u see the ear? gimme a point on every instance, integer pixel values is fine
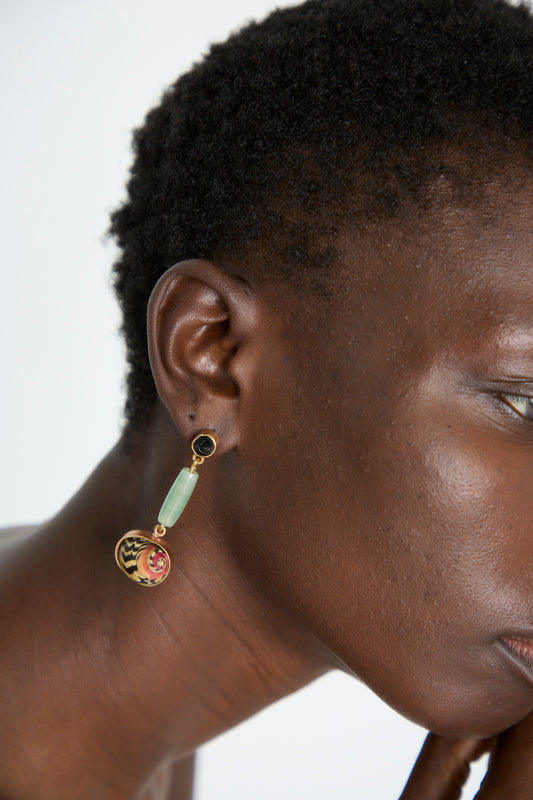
(200, 323)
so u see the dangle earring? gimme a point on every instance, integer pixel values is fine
(138, 553)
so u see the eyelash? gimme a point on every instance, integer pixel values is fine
(520, 404)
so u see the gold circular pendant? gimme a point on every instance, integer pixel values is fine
(141, 559)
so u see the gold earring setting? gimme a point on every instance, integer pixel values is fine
(138, 553)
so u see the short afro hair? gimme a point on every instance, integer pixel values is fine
(263, 145)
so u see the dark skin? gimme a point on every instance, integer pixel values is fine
(368, 509)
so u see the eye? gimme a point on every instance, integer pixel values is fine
(520, 403)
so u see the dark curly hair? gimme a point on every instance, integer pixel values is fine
(323, 108)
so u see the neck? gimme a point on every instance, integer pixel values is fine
(115, 679)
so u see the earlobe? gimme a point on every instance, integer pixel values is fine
(198, 317)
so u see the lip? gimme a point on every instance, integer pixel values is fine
(520, 649)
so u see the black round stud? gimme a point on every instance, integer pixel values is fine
(205, 444)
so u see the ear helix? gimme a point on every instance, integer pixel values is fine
(138, 553)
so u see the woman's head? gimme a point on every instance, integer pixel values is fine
(396, 466)
(376, 448)
(361, 175)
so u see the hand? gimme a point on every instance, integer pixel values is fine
(443, 766)
(510, 773)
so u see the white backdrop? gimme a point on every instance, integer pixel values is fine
(75, 78)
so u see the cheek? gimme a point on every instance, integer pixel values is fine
(445, 540)
(477, 491)
(391, 534)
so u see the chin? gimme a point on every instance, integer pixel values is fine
(476, 722)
